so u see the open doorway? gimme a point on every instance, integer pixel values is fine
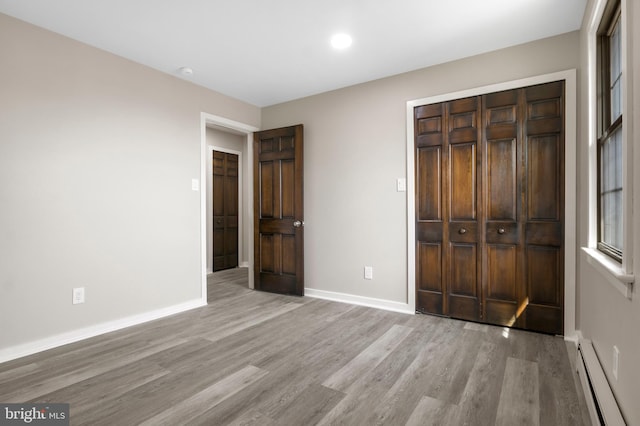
(235, 137)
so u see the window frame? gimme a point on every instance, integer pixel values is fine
(608, 128)
(620, 275)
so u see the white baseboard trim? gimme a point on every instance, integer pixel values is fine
(243, 265)
(19, 351)
(370, 302)
(574, 337)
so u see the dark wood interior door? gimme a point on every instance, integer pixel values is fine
(278, 210)
(225, 211)
(490, 208)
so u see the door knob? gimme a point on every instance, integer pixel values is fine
(298, 224)
(500, 230)
(462, 231)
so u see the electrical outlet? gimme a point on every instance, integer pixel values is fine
(616, 356)
(368, 272)
(78, 295)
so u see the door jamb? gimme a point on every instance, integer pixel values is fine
(570, 214)
(222, 123)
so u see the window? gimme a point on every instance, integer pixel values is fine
(610, 112)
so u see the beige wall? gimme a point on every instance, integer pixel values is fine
(221, 139)
(605, 316)
(355, 149)
(97, 154)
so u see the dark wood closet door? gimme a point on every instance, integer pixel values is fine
(524, 198)
(429, 157)
(502, 283)
(447, 208)
(225, 211)
(543, 215)
(278, 211)
(490, 208)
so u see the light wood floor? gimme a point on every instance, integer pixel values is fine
(252, 358)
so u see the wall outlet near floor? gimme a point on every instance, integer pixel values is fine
(368, 272)
(78, 295)
(616, 355)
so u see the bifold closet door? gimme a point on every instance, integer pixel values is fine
(448, 208)
(490, 208)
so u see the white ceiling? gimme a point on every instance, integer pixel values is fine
(270, 51)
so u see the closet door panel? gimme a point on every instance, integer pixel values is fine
(463, 258)
(430, 161)
(544, 207)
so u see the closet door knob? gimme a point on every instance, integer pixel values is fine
(462, 231)
(500, 230)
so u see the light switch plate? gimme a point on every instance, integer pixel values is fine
(401, 184)
(195, 184)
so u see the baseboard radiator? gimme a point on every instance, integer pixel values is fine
(602, 405)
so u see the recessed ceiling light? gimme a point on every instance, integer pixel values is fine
(341, 41)
(186, 71)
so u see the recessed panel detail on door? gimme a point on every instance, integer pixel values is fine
(429, 180)
(544, 266)
(501, 179)
(463, 182)
(288, 183)
(463, 269)
(430, 266)
(267, 251)
(543, 195)
(288, 254)
(501, 272)
(266, 189)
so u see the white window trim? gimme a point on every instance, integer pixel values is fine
(619, 275)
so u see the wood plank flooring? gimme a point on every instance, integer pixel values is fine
(252, 358)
